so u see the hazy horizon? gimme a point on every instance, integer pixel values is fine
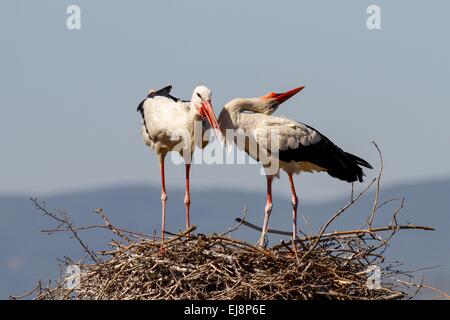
(194, 189)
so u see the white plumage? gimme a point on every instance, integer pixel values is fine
(170, 124)
(288, 145)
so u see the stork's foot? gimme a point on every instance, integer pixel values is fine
(262, 242)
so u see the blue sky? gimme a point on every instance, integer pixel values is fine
(68, 98)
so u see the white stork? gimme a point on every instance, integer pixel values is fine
(169, 124)
(300, 148)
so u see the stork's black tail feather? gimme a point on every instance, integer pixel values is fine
(328, 156)
(347, 167)
(359, 161)
(332, 159)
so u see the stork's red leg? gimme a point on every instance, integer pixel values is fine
(163, 199)
(187, 196)
(294, 207)
(267, 211)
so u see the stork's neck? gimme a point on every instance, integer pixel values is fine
(243, 104)
(194, 106)
(193, 110)
(229, 117)
(194, 123)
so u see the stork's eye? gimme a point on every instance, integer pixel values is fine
(198, 95)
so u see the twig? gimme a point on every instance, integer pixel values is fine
(377, 192)
(64, 221)
(240, 222)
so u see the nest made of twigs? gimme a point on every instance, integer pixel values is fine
(218, 267)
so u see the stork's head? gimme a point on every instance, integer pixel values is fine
(201, 101)
(270, 102)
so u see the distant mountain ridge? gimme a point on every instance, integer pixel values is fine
(27, 255)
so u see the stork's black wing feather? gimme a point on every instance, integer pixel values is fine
(164, 92)
(330, 157)
(140, 107)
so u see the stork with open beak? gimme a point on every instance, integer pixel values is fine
(300, 148)
(169, 124)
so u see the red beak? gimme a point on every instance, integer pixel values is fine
(208, 112)
(282, 97)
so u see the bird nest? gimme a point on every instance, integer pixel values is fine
(348, 264)
(217, 267)
(337, 265)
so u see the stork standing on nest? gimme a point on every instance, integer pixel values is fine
(299, 147)
(169, 124)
